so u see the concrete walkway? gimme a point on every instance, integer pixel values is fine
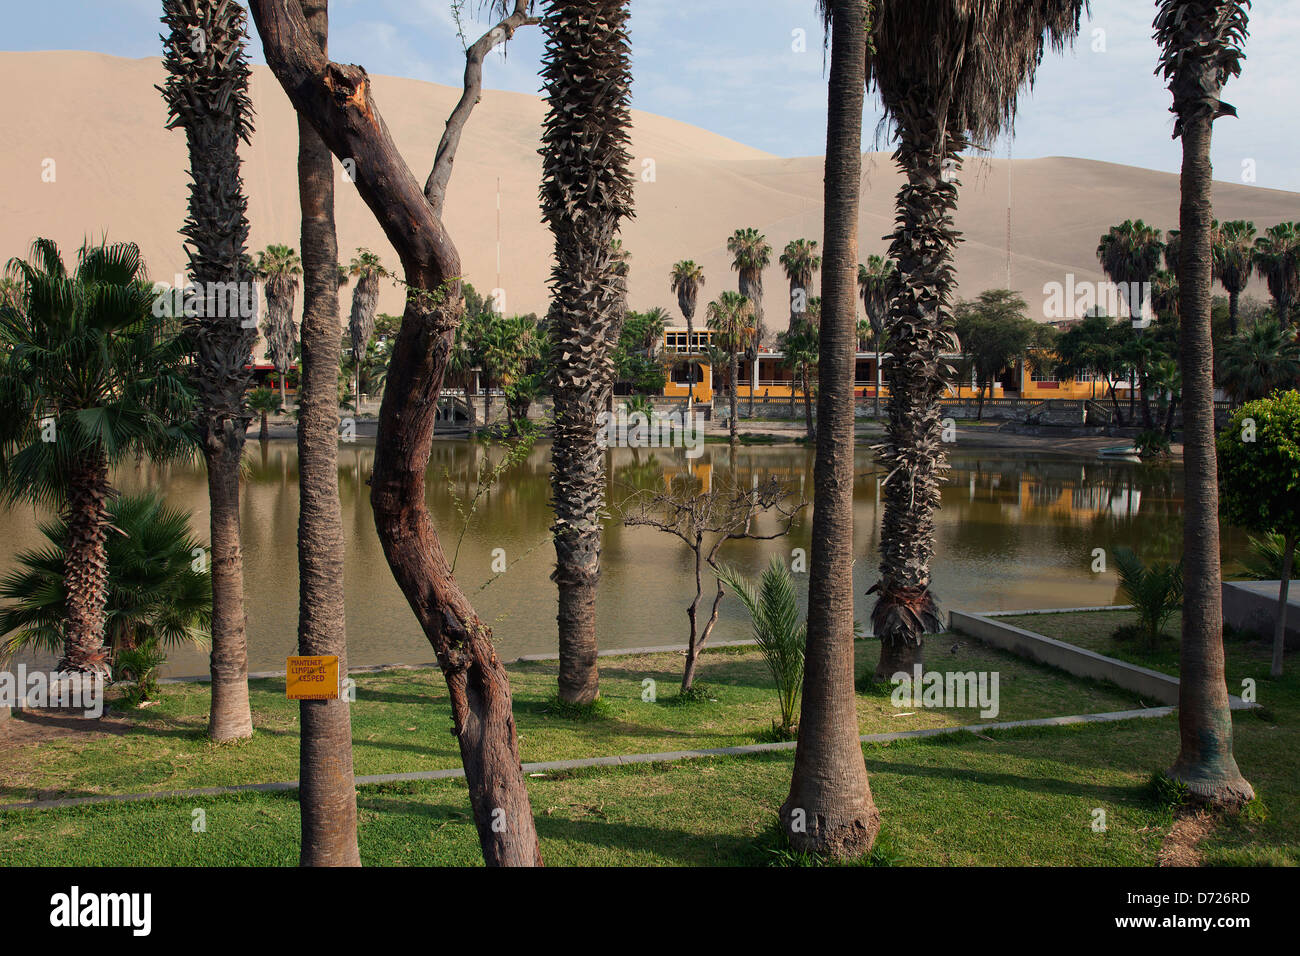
(540, 769)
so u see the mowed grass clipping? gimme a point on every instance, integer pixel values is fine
(401, 721)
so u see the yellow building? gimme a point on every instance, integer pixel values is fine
(775, 382)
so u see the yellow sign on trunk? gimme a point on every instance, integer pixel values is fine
(312, 678)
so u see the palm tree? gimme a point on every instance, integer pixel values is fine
(800, 262)
(1234, 262)
(279, 267)
(949, 75)
(1173, 249)
(207, 95)
(1277, 256)
(656, 320)
(875, 283)
(829, 809)
(1130, 254)
(729, 317)
(1263, 358)
(800, 344)
(89, 377)
(1200, 42)
(264, 403)
(154, 595)
(686, 280)
(586, 194)
(327, 795)
(369, 269)
(750, 255)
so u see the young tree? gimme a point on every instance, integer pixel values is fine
(1259, 460)
(750, 255)
(1201, 48)
(875, 284)
(687, 279)
(368, 269)
(705, 521)
(1130, 255)
(995, 333)
(729, 316)
(586, 195)
(800, 262)
(1234, 262)
(1277, 256)
(207, 95)
(89, 377)
(339, 103)
(1260, 360)
(949, 75)
(278, 267)
(800, 344)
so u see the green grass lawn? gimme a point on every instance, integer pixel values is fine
(1020, 798)
(1266, 742)
(1015, 797)
(401, 721)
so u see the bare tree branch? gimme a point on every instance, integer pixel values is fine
(435, 189)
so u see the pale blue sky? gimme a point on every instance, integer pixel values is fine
(729, 66)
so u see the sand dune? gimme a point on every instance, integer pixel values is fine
(117, 170)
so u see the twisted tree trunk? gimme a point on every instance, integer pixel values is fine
(829, 809)
(327, 795)
(337, 100)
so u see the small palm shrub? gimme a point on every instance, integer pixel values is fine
(1264, 563)
(774, 611)
(159, 591)
(1152, 443)
(1155, 591)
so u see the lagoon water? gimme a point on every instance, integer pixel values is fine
(1015, 531)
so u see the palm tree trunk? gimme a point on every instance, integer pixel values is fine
(1205, 760)
(230, 717)
(1234, 297)
(1279, 627)
(327, 795)
(85, 566)
(735, 380)
(876, 390)
(807, 405)
(829, 809)
(690, 363)
(912, 455)
(264, 433)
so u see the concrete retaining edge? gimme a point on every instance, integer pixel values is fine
(1070, 658)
